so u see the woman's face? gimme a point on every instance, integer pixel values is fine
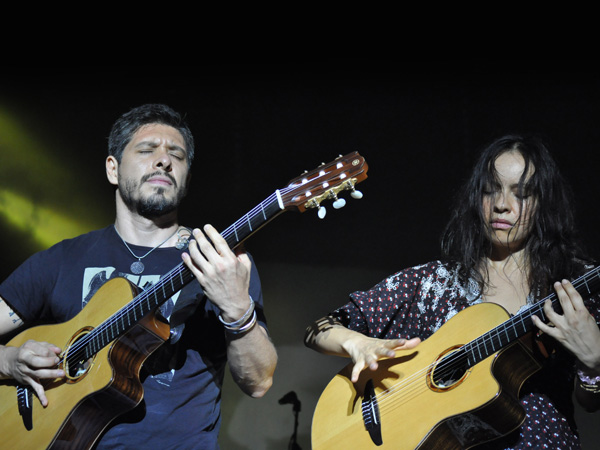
(508, 210)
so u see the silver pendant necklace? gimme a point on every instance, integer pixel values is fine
(137, 267)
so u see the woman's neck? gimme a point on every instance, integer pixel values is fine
(507, 280)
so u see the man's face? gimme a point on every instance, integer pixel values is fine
(153, 172)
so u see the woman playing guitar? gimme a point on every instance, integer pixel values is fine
(510, 241)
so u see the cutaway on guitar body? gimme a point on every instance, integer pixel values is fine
(435, 396)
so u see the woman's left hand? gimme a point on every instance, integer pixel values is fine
(575, 328)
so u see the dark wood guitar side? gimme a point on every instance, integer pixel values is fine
(106, 344)
(457, 389)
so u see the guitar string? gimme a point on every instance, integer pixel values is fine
(388, 391)
(415, 385)
(78, 346)
(454, 359)
(76, 352)
(511, 323)
(491, 338)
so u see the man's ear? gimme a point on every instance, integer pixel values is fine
(112, 170)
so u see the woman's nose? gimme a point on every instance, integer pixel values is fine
(500, 203)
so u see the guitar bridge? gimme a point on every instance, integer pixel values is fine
(24, 398)
(370, 411)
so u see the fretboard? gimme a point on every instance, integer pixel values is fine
(521, 324)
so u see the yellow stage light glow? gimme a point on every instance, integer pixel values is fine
(41, 193)
(41, 223)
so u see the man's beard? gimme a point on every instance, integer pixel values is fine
(155, 205)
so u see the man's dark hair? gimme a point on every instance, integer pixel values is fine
(130, 122)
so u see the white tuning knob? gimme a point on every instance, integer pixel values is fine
(321, 212)
(356, 194)
(339, 203)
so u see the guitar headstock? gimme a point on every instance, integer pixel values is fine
(326, 182)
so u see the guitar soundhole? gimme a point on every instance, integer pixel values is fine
(74, 363)
(449, 370)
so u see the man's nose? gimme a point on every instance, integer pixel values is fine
(163, 160)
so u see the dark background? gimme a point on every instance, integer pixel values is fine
(418, 124)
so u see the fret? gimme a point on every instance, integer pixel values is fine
(164, 292)
(524, 328)
(148, 305)
(492, 340)
(513, 327)
(587, 287)
(485, 346)
(478, 350)
(262, 208)
(469, 362)
(506, 333)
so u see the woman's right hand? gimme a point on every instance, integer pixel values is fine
(367, 351)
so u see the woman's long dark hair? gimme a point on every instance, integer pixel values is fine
(552, 250)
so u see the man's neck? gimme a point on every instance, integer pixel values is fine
(147, 232)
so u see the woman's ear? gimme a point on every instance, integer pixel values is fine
(112, 170)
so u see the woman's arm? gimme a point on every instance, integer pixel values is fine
(327, 335)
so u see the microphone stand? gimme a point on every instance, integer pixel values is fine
(291, 397)
(293, 445)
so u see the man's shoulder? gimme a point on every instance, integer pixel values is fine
(88, 239)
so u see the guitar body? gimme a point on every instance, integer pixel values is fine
(80, 408)
(417, 413)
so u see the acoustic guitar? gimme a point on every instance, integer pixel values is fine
(457, 389)
(105, 345)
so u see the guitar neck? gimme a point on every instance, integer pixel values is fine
(520, 324)
(172, 282)
(304, 192)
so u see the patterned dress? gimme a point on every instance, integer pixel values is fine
(417, 301)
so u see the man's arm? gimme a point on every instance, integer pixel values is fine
(9, 320)
(225, 279)
(29, 363)
(252, 360)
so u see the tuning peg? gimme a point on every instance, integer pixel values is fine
(321, 212)
(339, 203)
(356, 194)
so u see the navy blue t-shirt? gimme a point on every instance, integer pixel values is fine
(182, 379)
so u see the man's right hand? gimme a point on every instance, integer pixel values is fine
(29, 364)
